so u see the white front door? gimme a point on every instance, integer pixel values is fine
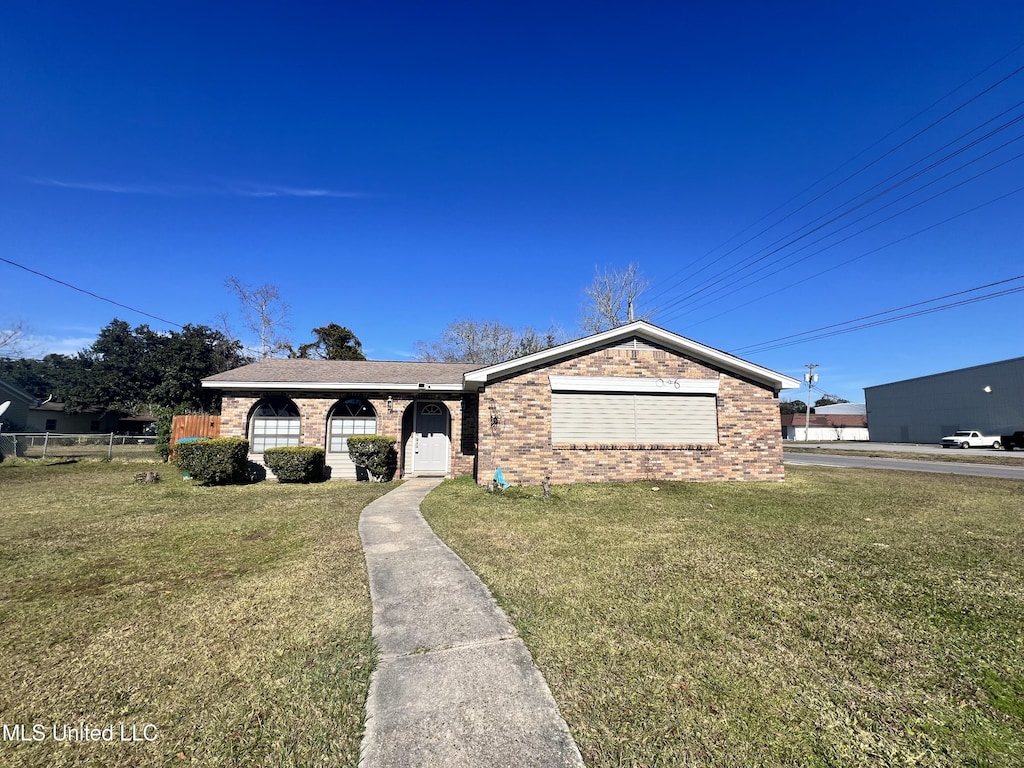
(430, 442)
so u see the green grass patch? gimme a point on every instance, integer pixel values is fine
(234, 620)
(840, 618)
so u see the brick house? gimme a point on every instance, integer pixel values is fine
(823, 427)
(635, 402)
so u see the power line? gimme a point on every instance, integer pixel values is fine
(886, 321)
(712, 296)
(738, 268)
(836, 329)
(846, 262)
(944, 117)
(90, 293)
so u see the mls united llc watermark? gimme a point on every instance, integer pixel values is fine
(79, 732)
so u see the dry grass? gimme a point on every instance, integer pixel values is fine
(842, 618)
(235, 620)
(950, 456)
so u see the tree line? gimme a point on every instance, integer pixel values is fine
(799, 406)
(141, 370)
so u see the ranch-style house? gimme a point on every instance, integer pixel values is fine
(634, 402)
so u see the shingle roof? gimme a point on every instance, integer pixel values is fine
(10, 391)
(281, 374)
(321, 372)
(643, 330)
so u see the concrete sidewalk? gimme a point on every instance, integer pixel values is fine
(455, 685)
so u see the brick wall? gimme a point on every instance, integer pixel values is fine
(515, 427)
(509, 425)
(315, 407)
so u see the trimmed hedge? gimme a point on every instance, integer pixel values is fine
(215, 460)
(296, 464)
(376, 454)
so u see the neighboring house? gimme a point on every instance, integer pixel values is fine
(635, 402)
(16, 415)
(27, 414)
(986, 397)
(824, 426)
(52, 417)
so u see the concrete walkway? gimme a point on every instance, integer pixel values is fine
(455, 685)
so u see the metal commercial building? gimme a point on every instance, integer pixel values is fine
(923, 410)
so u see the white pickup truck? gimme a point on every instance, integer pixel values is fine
(970, 438)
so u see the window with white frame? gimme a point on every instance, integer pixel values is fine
(275, 424)
(354, 416)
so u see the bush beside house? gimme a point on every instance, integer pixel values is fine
(376, 454)
(214, 461)
(296, 464)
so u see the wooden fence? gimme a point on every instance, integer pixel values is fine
(193, 425)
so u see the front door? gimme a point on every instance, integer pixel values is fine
(430, 444)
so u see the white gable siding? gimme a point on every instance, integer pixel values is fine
(584, 417)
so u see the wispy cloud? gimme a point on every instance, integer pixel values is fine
(267, 190)
(215, 189)
(118, 189)
(40, 346)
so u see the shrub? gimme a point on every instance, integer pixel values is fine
(376, 454)
(164, 421)
(214, 461)
(296, 464)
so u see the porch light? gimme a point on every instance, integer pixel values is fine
(391, 405)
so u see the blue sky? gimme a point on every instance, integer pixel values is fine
(393, 167)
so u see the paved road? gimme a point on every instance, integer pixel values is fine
(869, 462)
(907, 448)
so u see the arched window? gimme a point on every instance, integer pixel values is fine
(354, 416)
(275, 423)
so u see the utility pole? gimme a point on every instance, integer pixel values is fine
(811, 378)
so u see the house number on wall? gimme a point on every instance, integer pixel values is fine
(673, 383)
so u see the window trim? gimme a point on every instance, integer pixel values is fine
(337, 442)
(260, 434)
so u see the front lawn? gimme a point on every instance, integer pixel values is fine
(232, 624)
(841, 618)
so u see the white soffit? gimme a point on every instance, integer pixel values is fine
(340, 386)
(633, 384)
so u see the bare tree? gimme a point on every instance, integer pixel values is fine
(531, 340)
(264, 315)
(611, 299)
(13, 341)
(486, 343)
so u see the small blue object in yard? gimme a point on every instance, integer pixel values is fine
(499, 479)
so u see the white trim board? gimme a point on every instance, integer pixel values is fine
(661, 385)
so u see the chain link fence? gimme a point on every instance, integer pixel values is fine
(51, 445)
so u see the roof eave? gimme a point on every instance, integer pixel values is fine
(330, 386)
(480, 377)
